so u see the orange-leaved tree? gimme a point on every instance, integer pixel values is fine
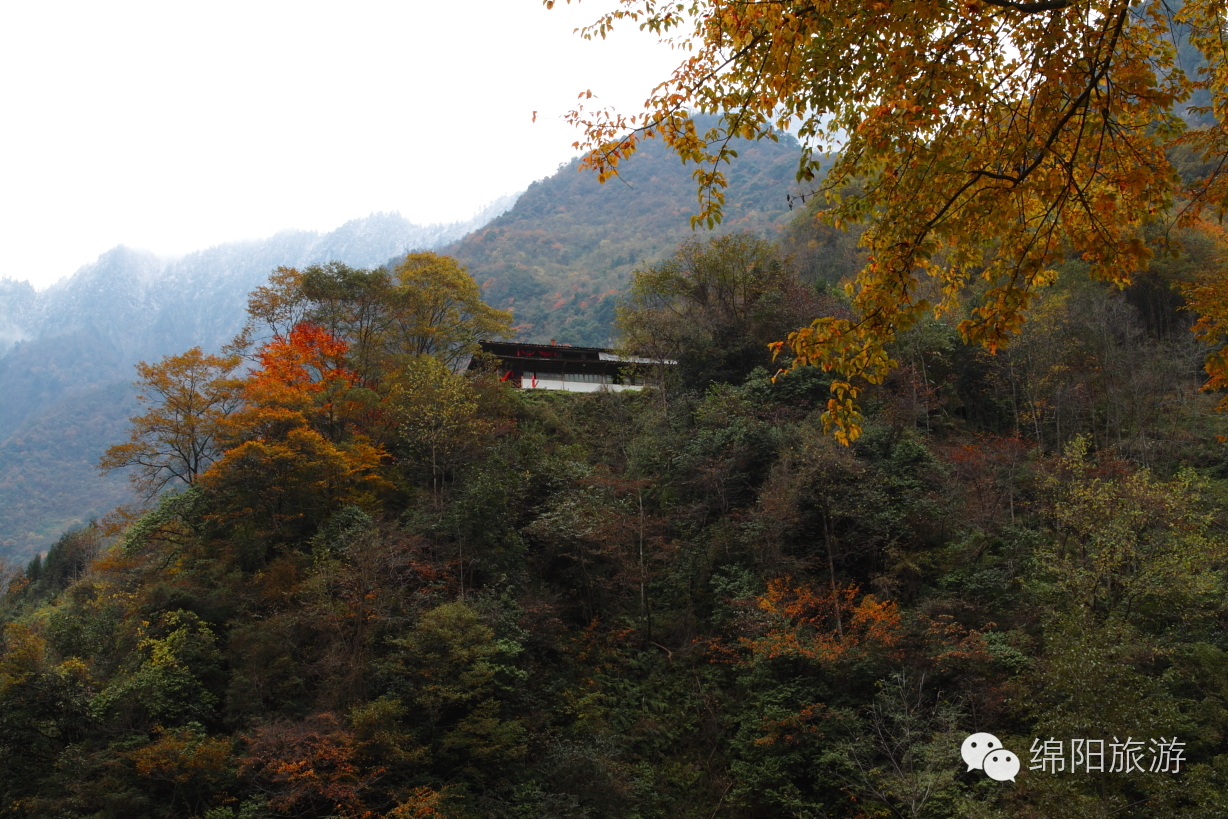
(823, 625)
(982, 141)
(189, 399)
(1207, 296)
(295, 450)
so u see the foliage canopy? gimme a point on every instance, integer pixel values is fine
(402, 591)
(983, 141)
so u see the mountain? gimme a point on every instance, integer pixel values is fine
(559, 258)
(67, 353)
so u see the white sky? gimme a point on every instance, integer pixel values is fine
(174, 126)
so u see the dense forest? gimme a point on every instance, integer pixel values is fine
(371, 584)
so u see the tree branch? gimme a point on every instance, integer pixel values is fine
(1030, 8)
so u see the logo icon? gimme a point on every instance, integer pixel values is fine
(983, 751)
(1001, 765)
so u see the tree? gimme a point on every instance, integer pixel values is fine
(1207, 296)
(983, 141)
(1132, 548)
(427, 305)
(899, 754)
(439, 420)
(714, 306)
(189, 397)
(439, 310)
(351, 304)
(305, 373)
(293, 451)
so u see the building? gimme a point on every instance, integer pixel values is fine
(563, 367)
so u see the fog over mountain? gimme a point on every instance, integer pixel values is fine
(67, 353)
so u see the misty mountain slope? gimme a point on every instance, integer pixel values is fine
(18, 300)
(48, 479)
(559, 258)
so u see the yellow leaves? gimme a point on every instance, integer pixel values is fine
(24, 653)
(182, 756)
(1131, 545)
(1207, 297)
(423, 803)
(296, 475)
(792, 727)
(985, 139)
(189, 398)
(440, 309)
(437, 415)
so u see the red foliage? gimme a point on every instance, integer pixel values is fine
(295, 369)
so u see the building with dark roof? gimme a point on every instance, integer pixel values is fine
(563, 367)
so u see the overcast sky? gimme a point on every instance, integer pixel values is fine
(174, 126)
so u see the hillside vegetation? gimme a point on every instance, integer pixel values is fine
(562, 256)
(393, 591)
(67, 355)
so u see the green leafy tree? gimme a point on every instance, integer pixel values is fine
(43, 710)
(437, 416)
(172, 681)
(714, 307)
(455, 671)
(1131, 548)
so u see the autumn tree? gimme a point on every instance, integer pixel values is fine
(275, 308)
(1207, 296)
(309, 768)
(981, 141)
(189, 397)
(427, 305)
(440, 311)
(292, 452)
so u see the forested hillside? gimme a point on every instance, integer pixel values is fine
(394, 591)
(558, 258)
(561, 257)
(921, 511)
